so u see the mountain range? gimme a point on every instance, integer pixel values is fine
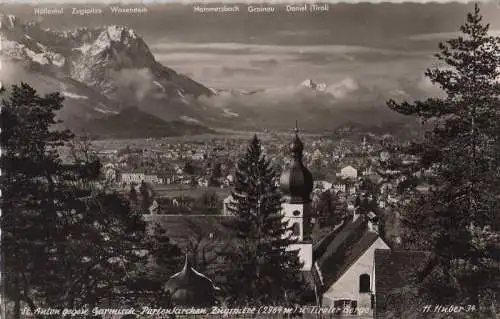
(101, 72)
(112, 83)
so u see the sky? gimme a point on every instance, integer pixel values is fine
(359, 51)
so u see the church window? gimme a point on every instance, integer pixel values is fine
(364, 283)
(296, 229)
(296, 213)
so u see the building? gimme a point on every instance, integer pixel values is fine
(296, 184)
(191, 288)
(110, 172)
(340, 267)
(225, 205)
(153, 179)
(349, 172)
(129, 178)
(323, 185)
(344, 265)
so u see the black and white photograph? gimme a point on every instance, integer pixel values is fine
(221, 159)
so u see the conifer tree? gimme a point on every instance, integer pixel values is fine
(146, 199)
(65, 245)
(259, 268)
(458, 220)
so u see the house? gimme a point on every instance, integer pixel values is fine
(323, 185)
(153, 179)
(129, 178)
(225, 205)
(345, 185)
(344, 265)
(349, 172)
(153, 209)
(110, 172)
(202, 182)
(339, 187)
(395, 273)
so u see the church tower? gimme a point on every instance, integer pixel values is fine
(296, 184)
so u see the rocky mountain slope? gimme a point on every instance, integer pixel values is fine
(133, 123)
(100, 71)
(103, 71)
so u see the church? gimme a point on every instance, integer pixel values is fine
(341, 266)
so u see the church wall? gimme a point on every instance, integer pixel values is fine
(347, 287)
(289, 216)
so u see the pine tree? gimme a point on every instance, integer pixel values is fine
(458, 219)
(146, 199)
(329, 209)
(65, 244)
(259, 268)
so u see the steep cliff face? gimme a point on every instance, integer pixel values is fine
(100, 71)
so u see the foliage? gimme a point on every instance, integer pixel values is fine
(458, 219)
(329, 209)
(55, 220)
(259, 268)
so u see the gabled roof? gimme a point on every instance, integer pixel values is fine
(345, 248)
(348, 167)
(338, 238)
(395, 271)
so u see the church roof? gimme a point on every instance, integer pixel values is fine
(395, 270)
(347, 246)
(296, 182)
(191, 288)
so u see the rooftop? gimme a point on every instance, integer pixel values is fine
(341, 249)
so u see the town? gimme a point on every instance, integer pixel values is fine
(185, 171)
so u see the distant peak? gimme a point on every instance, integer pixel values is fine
(310, 84)
(116, 33)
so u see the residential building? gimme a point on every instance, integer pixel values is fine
(349, 172)
(225, 205)
(129, 178)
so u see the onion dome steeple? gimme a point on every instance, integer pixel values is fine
(191, 288)
(296, 182)
(297, 147)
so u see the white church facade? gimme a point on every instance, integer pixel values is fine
(341, 265)
(296, 184)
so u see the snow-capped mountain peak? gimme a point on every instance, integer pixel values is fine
(109, 66)
(310, 84)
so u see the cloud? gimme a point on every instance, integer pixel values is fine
(14, 73)
(445, 35)
(245, 48)
(291, 97)
(342, 89)
(135, 82)
(425, 84)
